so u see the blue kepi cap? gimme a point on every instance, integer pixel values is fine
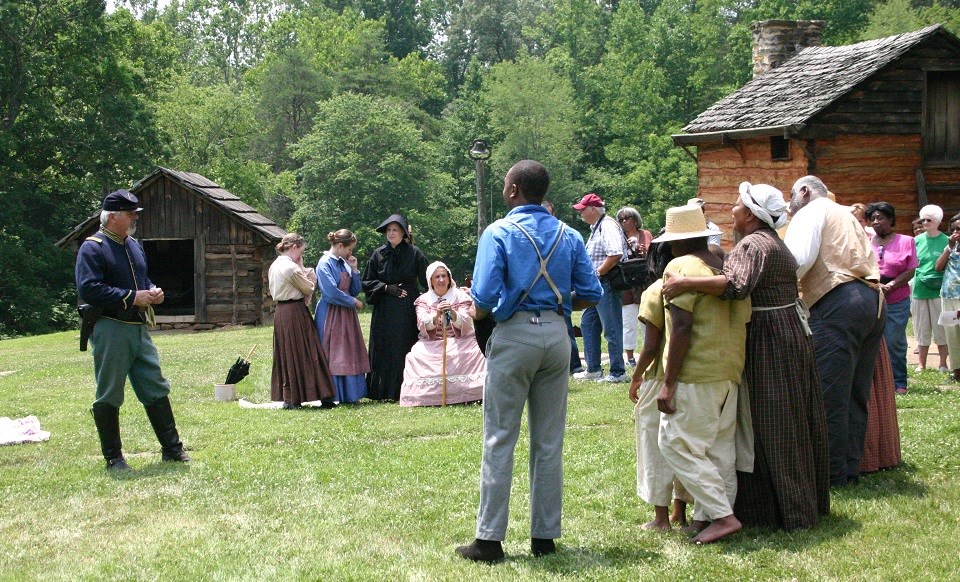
(121, 200)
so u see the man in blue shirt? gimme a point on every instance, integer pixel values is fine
(111, 274)
(529, 264)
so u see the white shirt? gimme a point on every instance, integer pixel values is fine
(606, 240)
(289, 281)
(804, 236)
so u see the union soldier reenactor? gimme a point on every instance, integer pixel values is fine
(112, 280)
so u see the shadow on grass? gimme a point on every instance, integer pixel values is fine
(158, 469)
(573, 559)
(898, 481)
(754, 539)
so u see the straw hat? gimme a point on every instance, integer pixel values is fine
(685, 222)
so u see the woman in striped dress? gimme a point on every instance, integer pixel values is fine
(789, 486)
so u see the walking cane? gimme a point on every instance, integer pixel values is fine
(443, 371)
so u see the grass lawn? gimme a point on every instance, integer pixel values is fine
(376, 492)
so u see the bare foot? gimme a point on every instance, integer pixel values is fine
(718, 529)
(696, 526)
(656, 525)
(679, 515)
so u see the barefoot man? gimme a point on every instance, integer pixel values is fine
(706, 345)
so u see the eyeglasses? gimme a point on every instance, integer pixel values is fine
(625, 218)
(880, 250)
(927, 220)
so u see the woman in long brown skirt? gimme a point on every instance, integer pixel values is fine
(300, 371)
(881, 447)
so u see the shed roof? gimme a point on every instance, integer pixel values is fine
(784, 99)
(206, 189)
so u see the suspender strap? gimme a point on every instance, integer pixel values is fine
(543, 265)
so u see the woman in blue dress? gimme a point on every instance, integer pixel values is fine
(338, 278)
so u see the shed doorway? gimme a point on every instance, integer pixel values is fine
(170, 267)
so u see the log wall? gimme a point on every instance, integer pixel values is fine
(231, 260)
(890, 102)
(722, 167)
(873, 168)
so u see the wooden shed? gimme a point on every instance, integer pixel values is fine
(876, 120)
(209, 251)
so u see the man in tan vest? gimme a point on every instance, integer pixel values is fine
(839, 275)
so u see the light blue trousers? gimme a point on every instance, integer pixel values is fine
(526, 363)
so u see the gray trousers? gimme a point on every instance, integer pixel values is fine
(526, 362)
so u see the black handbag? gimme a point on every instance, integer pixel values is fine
(629, 274)
(632, 273)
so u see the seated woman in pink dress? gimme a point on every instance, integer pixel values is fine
(445, 366)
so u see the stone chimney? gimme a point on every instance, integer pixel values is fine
(775, 41)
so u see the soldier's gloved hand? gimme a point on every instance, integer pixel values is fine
(394, 290)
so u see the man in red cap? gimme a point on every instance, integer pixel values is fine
(606, 247)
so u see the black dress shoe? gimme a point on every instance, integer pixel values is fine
(178, 456)
(487, 551)
(288, 406)
(542, 547)
(118, 464)
(327, 404)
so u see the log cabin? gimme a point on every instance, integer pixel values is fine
(876, 120)
(208, 250)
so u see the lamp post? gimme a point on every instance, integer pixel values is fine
(479, 152)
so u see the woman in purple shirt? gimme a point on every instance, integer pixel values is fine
(897, 255)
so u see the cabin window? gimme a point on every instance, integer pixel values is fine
(779, 148)
(170, 267)
(941, 127)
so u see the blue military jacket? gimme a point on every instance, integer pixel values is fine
(109, 273)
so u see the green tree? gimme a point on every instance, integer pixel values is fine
(287, 88)
(221, 39)
(209, 130)
(75, 121)
(363, 160)
(899, 16)
(489, 31)
(533, 116)
(406, 23)
(892, 17)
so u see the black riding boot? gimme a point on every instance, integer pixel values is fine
(161, 419)
(107, 420)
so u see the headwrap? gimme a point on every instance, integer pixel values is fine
(765, 202)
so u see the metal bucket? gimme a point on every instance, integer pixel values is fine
(225, 392)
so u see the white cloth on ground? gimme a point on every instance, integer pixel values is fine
(21, 430)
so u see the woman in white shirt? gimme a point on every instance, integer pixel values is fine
(300, 371)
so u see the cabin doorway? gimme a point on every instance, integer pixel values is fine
(170, 267)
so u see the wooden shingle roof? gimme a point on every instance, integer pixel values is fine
(217, 196)
(209, 191)
(784, 99)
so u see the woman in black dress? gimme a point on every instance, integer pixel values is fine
(390, 282)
